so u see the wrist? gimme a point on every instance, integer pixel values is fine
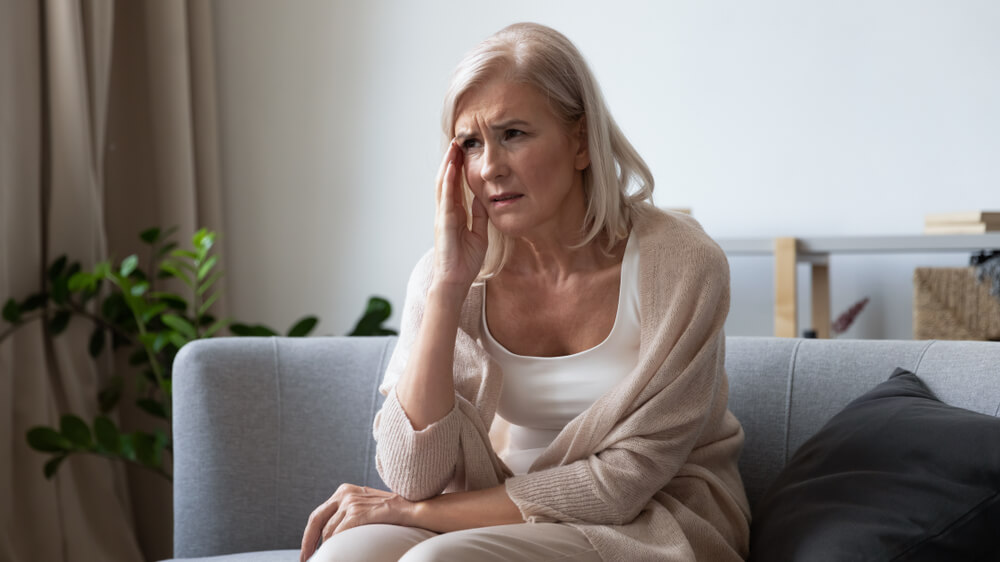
(416, 514)
(447, 296)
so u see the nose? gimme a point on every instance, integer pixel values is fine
(494, 163)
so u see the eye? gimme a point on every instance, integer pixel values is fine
(469, 144)
(512, 133)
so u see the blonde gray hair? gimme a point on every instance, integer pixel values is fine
(617, 179)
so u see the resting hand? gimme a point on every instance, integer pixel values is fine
(351, 506)
(458, 251)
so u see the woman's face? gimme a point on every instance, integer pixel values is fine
(520, 160)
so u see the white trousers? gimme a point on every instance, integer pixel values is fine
(534, 542)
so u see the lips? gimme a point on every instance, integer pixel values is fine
(505, 197)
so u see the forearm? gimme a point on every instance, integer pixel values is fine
(466, 510)
(426, 390)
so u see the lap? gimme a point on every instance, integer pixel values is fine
(524, 541)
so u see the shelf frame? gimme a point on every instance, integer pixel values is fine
(788, 252)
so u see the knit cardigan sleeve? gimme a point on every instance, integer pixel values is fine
(453, 450)
(684, 392)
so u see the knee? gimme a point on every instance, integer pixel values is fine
(442, 548)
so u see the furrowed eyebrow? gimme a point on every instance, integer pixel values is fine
(465, 135)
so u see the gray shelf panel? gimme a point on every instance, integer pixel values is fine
(819, 246)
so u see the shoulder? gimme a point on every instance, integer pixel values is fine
(677, 240)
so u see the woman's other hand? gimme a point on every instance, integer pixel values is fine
(351, 506)
(458, 250)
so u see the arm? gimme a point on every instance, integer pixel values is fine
(466, 510)
(418, 429)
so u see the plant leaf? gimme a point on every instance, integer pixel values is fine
(159, 341)
(152, 311)
(370, 324)
(52, 466)
(166, 249)
(58, 323)
(203, 240)
(173, 301)
(207, 304)
(80, 281)
(144, 450)
(258, 330)
(114, 307)
(150, 235)
(96, 344)
(75, 430)
(103, 269)
(180, 324)
(184, 254)
(303, 327)
(152, 407)
(126, 446)
(11, 311)
(215, 328)
(108, 398)
(209, 282)
(177, 339)
(139, 289)
(128, 265)
(171, 268)
(207, 266)
(48, 440)
(60, 290)
(57, 267)
(33, 302)
(107, 434)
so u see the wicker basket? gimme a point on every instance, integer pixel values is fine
(949, 304)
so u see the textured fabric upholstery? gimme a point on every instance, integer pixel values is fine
(266, 428)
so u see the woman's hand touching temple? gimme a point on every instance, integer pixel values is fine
(458, 250)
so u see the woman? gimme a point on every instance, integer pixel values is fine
(560, 300)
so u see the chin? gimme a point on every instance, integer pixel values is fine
(510, 227)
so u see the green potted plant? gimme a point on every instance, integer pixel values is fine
(136, 316)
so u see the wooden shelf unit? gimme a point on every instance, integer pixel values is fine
(816, 251)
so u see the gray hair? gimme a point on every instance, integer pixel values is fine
(617, 179)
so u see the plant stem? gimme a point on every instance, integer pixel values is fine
(5, 334)
(153, 362)
(100, 321)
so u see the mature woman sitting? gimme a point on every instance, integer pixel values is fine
(561, 309)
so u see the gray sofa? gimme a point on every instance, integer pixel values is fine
(266, 428)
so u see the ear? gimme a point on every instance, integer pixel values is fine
(582, 158)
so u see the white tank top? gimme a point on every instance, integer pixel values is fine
(541, 395)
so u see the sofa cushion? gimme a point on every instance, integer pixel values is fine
(895, 475)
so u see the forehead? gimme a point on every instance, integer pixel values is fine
(500, 100)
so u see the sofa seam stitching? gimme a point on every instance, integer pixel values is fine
(371, 414)
(788, 397)
(277, 462)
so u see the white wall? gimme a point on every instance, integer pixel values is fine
(768, 118)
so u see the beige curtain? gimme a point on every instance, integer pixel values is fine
(108, 127)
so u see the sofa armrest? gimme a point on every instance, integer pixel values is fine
(265, 429)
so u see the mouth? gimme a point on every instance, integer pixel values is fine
(503, 197)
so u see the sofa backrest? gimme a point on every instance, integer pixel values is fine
(266, 428)
(784, 390)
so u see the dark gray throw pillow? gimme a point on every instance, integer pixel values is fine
(896, 475)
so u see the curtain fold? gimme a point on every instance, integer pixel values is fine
(107, 127)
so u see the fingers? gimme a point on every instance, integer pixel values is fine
(480, 219)
(453, 155)
(318, 520)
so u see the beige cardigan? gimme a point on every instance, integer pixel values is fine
(648, 472)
